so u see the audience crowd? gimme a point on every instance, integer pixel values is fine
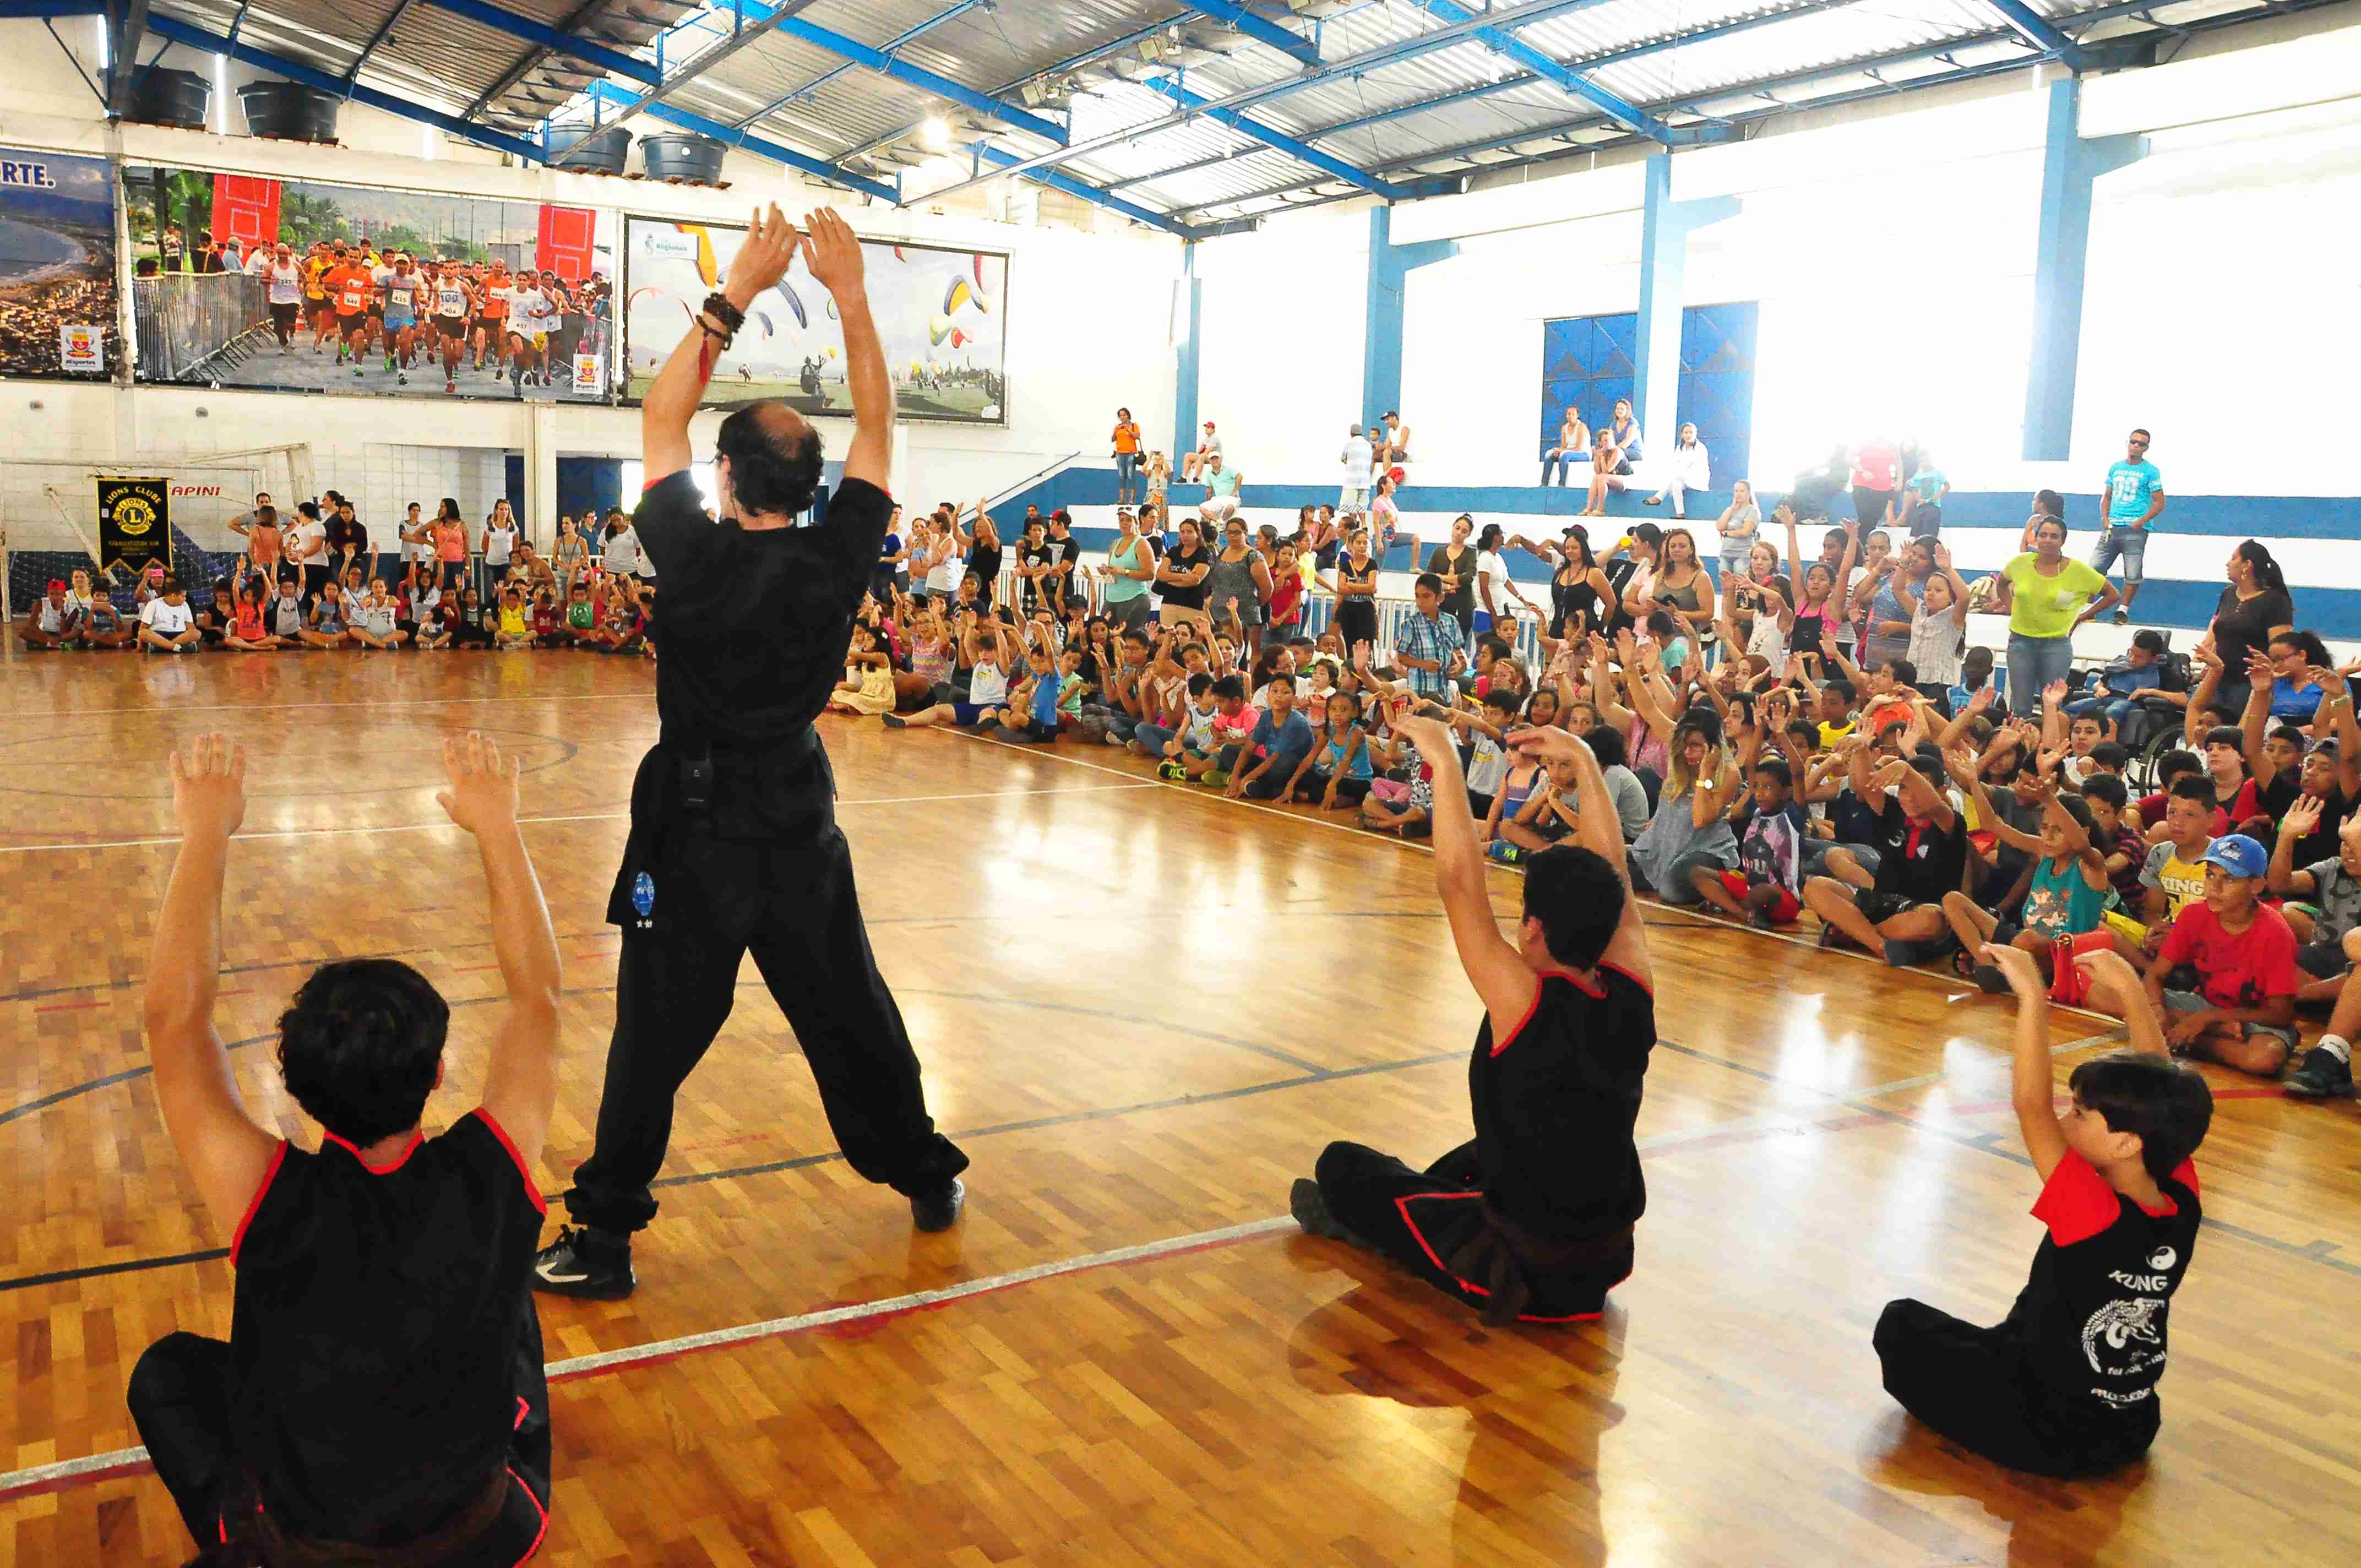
(1810, 743)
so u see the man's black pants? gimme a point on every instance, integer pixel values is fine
(1968, 1383)
(180, 1395)
(794, 907)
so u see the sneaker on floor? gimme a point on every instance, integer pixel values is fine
(1218, 777)
(937, 1211)
(1174, 772)
(1115, 739)
(2321, 1075)
(1762, 921)
(1990, 979)
(1903, 954)
(587, 1262)
(1311, 1212)
(894, 721)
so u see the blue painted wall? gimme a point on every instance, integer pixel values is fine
(1587, 362)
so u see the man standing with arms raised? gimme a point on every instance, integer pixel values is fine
(734, 846)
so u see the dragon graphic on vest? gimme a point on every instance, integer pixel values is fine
(2120, 1322)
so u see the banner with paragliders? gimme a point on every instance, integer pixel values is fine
(941, 313)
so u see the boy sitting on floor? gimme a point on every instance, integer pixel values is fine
(2242, 1014)
(2067, 1384)
(1922, 852)
(1764, 891)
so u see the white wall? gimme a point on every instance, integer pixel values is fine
(1088, 314)
(1279, 368)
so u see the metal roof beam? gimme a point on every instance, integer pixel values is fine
(1385, 54)
(179, 32)
(1091, 193)
(885, 64)
(127, 29)
(824, 78)
(1246, 126)
(1509, 47)
(552, 39)
(385, 31)
(818, 169)
(2042, 33)
(1261, 28)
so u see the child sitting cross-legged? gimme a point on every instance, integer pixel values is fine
(991, 645)
(1188, 750)
(1766, 889)
(1922, 852)
(2067, 1384)
(2067, 894)
(2242, 1013)
(1336, 771)
(1264, 765)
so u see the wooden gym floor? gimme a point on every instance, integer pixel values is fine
(1143, 1011)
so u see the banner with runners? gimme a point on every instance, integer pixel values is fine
(56, 265)
(943, 315)
(242, 280)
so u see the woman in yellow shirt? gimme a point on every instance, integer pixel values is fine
(2046, 597)
(1127, 456)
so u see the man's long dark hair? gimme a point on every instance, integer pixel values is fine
(767, 475)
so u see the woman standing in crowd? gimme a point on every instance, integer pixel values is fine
(1180, 577)
(1494, 588)
(1740, 523)
(1573, 446)
(1238, 587)
(1355, 588)
(1678, 583)
(1582, 601)
(2252, 610)
(984, 554)
(450, 535)
(2046, 596)
(1127, 457)
(1130, 567)
(570, 552)
(498, 541)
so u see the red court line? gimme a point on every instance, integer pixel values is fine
(70, 1006)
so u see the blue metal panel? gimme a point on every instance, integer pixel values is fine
(613, 61)
(2071, 166)
(736, 137)
(1509, 47)
(2042, 33)
(180, 32)
(1589, 362)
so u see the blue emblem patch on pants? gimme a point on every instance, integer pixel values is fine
(644, 895)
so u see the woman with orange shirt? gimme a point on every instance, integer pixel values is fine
(1127, 456)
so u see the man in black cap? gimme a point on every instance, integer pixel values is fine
(734, 846)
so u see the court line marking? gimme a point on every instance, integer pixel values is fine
(1396, 838)
(536, 821)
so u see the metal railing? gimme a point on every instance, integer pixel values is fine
(184, 322)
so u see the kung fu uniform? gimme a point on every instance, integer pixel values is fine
(382, 1385)
(2066, 1385)
(1532, 1221)
(735, 848)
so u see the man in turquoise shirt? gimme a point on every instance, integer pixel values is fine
(2133, 496)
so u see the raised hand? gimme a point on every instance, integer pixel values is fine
(833, 253)
(2302, 816)
(763, 257)
(209, 787)
(483, 793)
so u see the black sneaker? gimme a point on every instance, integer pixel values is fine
(1311, 1212)
(939, 1211)
(2320, 1076)
(1901, 953)
(1990, 979)
(586, 1261)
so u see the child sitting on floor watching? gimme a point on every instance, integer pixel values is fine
(1765, 890)
(2242, 1014)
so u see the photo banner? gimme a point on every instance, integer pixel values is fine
(524, 290)
(134, 526)
(942, 315)
(56, 265)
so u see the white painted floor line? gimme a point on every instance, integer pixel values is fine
(49, 1478)
(584, 817)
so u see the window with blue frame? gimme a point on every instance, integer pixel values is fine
(1587, 363)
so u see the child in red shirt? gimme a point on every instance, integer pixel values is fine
(2242, 1014)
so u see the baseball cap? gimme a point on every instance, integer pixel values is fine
(2238, 855)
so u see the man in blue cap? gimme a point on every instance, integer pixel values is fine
(2242, 1013)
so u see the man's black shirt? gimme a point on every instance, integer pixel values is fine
(755, 624)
